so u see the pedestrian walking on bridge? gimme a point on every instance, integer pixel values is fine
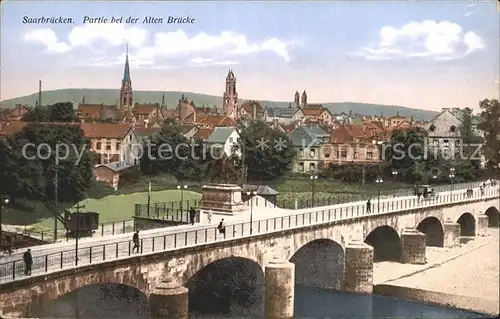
(28, 262)
(8, 242)
(222, 228)
(135, 239)
(192, 215)
(368, 206)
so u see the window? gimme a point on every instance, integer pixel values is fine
(98, 145)
(312, 167)
(436, 143)
(355, 155)
(446, 143)
(369, 155)
(432, 128)
(453, 129)
(118, 145)
(313, 152)
(301, 167)
(343, 153)
(327, 155)
(231, 140)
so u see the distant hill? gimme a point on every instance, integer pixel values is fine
(110, 96)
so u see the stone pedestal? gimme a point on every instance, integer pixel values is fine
(222, 199)
(280, 289)
(169, 300)
(481, 225)
(451, 234)
(358, 268)
(413, 247)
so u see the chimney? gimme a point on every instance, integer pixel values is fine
(39, 92)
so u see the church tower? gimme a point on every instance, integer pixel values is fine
(296, 100)
(230, 97)
(126, 89)
(304, 99)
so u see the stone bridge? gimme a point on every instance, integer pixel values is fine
(338, 255)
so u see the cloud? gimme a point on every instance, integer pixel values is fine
(428, 39)
(211, 62)
(48, 38)
(156, 49)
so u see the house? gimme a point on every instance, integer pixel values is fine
(444, 129)
(144, 133)
(226, 139)
(395, 121)
(15, 114)
(251, 110)
(111, 173)
(215, 120)
(350, 144)
(264, 191)
(283, 115)
(114, 142)
(8, 128)
(308, 142)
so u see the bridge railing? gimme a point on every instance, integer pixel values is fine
(69, 259)
(110, 228)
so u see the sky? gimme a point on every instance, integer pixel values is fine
(424, 54)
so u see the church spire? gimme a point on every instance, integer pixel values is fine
(126, 73)
(163, 100)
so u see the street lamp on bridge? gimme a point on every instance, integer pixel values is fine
(313, 177)
(379, 182)
(251, 195)
(451, 176)
(2, 202)
(182, 188)
(394, 174)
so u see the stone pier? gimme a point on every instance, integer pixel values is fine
(451, 234)
(358, 268)
(481, 225)
(280, 290)
(413, 247)
(169, 300)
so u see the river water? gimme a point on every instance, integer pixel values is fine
(116, 301)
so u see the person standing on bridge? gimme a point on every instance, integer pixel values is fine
(222, 228)
(135, 239)
(368, 206)
(8, 242)
(28, 262)
(192, 215)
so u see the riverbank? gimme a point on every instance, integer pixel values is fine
(464, 277)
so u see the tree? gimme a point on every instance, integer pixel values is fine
(468, 164)
(35, 171)
(406, 154)
(491, 126)
(170, 152)
(58, 112)
(266, 161)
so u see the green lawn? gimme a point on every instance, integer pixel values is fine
(121, 207)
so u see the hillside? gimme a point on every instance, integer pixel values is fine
(110, 96)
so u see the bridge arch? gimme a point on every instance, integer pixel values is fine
(101, 300)
(467, 224)
(493, 216)
(386, 243)
(320, 263)
(232, 285)
(433, 230)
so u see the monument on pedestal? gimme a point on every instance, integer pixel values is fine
(222, 199)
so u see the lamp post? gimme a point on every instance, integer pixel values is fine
(182, 188)
(313, 177)
(77, 234)
(451, 176)
(251, 195)
(379, 182)
(394, 174)
(2, 202)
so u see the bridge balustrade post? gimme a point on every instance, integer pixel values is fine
(358, 276)
(169, 300)
(280, 290)
(413, 247)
